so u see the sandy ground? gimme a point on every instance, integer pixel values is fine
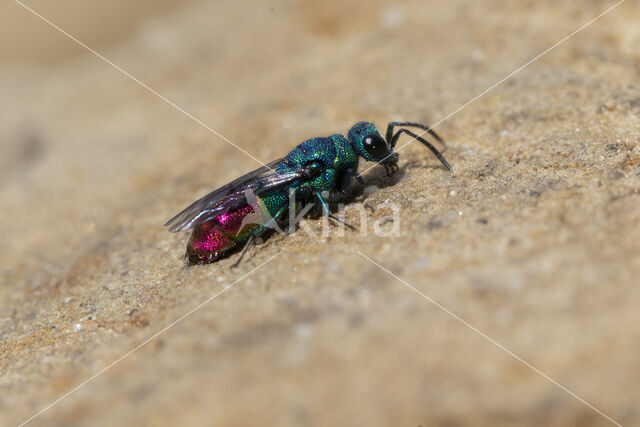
(535, 240)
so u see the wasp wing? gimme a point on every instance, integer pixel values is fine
(212, 199)
(233, 195)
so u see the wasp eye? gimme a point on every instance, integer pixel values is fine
(375, 145)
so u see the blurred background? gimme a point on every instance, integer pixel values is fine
(30, 42)
(534, 239)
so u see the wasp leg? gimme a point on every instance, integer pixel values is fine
(348, 174)
(411, 124)
(426, 143)
(256, 234)
(328, 213)
(292, 209)
(344, 180)
(359, 178)
(346, 224)
(244, 250)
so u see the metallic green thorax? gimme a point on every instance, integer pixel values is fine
(336, 154)
(340, 163)
(339, 157)
(345, 158)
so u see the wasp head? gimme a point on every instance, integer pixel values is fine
(370, 145)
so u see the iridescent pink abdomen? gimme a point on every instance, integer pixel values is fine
(211, 239)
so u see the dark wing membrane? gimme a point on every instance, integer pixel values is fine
(233, 195)
(211, 200)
